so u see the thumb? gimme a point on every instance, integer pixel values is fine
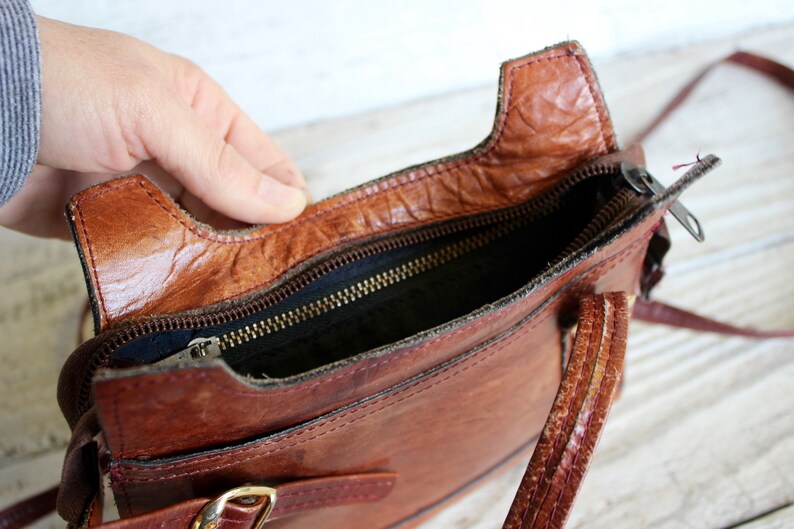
(210, 168)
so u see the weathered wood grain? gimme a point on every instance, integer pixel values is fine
(703, 435)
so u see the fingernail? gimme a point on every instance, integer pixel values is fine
(286, 175)
(280, 195)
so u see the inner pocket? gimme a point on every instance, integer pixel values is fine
(389, 296)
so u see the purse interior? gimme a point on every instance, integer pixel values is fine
(390, 296)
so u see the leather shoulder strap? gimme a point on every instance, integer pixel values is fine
(666, 314)
(773, 69)
(577, 417)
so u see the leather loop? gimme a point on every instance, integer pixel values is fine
(80, 476)
(566, 446)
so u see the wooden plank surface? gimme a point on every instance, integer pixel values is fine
(703, 435)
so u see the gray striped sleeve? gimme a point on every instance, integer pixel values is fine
(20, 95)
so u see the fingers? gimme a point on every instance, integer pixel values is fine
(261, 151)
(216, 108)
(212, 169)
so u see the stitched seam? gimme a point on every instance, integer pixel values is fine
(187, 518)
(600, 111)
(93, 262)
(117, 480)
(396, 182)
(336, 488)
(579, 379)
(600, 269)
(330, 501)
(117, 419)
(610, 359)
(84, 228)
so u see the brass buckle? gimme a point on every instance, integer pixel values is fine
(210, 514)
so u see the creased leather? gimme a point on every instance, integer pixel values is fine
(144, 256)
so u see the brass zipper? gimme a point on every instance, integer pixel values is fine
(214, 346)
(538, 206)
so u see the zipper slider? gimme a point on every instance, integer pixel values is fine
(200, 349)
(642, 182)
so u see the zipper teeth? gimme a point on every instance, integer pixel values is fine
(361, 289)
(531, 209)
(606, 214)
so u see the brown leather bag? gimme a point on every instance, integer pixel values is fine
(395, 345)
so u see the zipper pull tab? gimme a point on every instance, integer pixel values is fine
(642, 182)
(200, 349)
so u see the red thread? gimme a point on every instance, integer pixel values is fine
(676, 167)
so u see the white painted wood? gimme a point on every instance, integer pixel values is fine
(703, 435)
(290, 63)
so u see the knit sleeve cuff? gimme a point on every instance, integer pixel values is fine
(20, 95)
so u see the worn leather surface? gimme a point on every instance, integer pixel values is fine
(576, 420)
(144, 256)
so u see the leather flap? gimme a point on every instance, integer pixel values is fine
(144, 256)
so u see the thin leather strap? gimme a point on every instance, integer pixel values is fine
(763, 65)
(665, 314)
(577, 417)
(28, 511)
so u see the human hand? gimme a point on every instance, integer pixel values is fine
(112, 104)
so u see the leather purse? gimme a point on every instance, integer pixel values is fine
(394, 346)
